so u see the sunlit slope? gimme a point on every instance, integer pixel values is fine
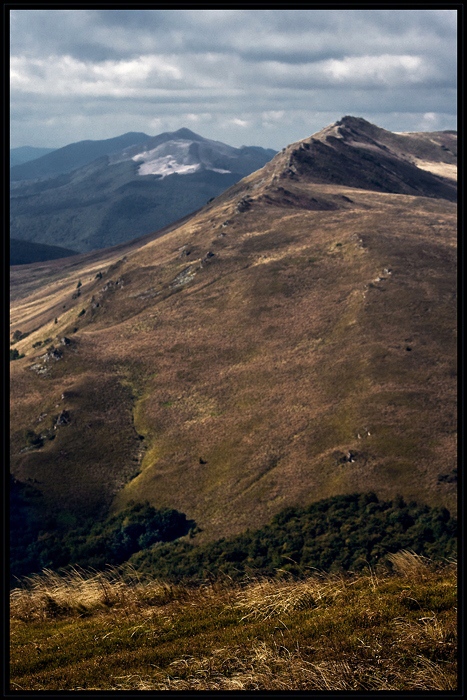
(292, 341)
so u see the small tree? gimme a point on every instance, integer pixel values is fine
(15, 355)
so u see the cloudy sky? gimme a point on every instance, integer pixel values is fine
(252, 77)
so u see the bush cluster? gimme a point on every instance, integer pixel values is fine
(36, 544)
(15, 354)
(340, 533)
(348, 532)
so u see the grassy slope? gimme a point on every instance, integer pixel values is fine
(269, 363)
(368, 632)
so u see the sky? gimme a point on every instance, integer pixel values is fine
(245, 77)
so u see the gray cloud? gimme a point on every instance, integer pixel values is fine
(265, 77)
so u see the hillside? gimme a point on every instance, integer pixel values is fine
(97, 194)
(293, 340)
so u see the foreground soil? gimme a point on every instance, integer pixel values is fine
(384, 630)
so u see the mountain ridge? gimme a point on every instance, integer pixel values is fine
(334, 156)
(74, 155)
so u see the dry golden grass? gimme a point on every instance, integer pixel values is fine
(267, 599)
(112, 631)
(83, 593)
(410, 564)
(448, 170)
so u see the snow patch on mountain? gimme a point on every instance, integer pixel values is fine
(166, 166)
(177, 156)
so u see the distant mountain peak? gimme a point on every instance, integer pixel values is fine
(183, 152)
(184, 133)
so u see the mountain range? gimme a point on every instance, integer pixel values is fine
(95, 194)
(293, 340)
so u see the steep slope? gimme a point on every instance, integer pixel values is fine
(116, 197)
(294, 339)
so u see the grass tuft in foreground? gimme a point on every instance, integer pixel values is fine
(378, 630)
